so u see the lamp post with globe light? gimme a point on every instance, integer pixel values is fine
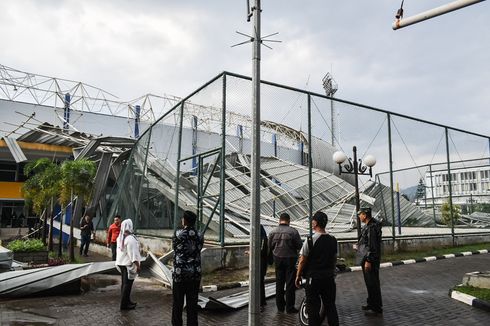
(356, 167)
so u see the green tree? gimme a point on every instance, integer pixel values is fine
(482, 207)
(77, 179)
(446, 213)
(40, 190)
(420, 192)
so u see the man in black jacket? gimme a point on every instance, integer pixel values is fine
(284, 243)
(317, 261)
(369, 247)
(86, 231)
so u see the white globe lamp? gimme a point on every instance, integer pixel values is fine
(339, 157)
(369, 161)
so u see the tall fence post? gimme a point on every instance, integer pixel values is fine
(449, 178)
(194, 145)
(137, 114)
(390, 152)
(66, 113)
(310, 168)
(222, 174)
(489, 150)
(199, 189)
(177, 173)
(239, 132)
(398, 209)
(138, 216)
(432, 193)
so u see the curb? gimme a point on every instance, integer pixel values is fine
(232, 285)
(469, 300)
(420, 260)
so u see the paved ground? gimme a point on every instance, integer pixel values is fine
(414, 294)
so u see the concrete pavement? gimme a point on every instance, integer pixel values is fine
(415, 294)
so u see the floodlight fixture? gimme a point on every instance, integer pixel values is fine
(329, 85)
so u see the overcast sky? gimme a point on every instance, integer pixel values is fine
(437, 70)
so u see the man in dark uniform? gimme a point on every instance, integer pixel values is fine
(369, 247)
(264, 252)
(317, 261)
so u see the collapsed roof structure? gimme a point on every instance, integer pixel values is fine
(197, 154)
(51, 141)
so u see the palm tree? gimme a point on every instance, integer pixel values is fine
(40, 190)
(446, 213)
(77, 179)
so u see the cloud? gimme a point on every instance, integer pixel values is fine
(436, 70)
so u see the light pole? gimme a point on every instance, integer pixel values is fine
(356, 167)
(331, 87)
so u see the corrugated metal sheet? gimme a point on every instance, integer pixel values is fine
(409, 213)
(15, 150)
(284, 188)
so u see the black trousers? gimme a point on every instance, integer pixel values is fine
(188, 290)
(371, 278)
(113, 250)
(84, 243)
(126, 285)
(285, 275)
(263, 272)
(326, 289)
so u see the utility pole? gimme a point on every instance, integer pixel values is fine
(254, 266)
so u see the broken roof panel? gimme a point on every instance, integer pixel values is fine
(15, 150)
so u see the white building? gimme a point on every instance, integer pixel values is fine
(469, 185)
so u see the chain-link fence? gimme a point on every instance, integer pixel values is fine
(198, 156)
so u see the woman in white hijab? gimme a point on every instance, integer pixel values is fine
(128, 262)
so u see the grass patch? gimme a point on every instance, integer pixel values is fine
(480, 293)
(54, 260)
(227, 275)
(402, 255)
(27, 245)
